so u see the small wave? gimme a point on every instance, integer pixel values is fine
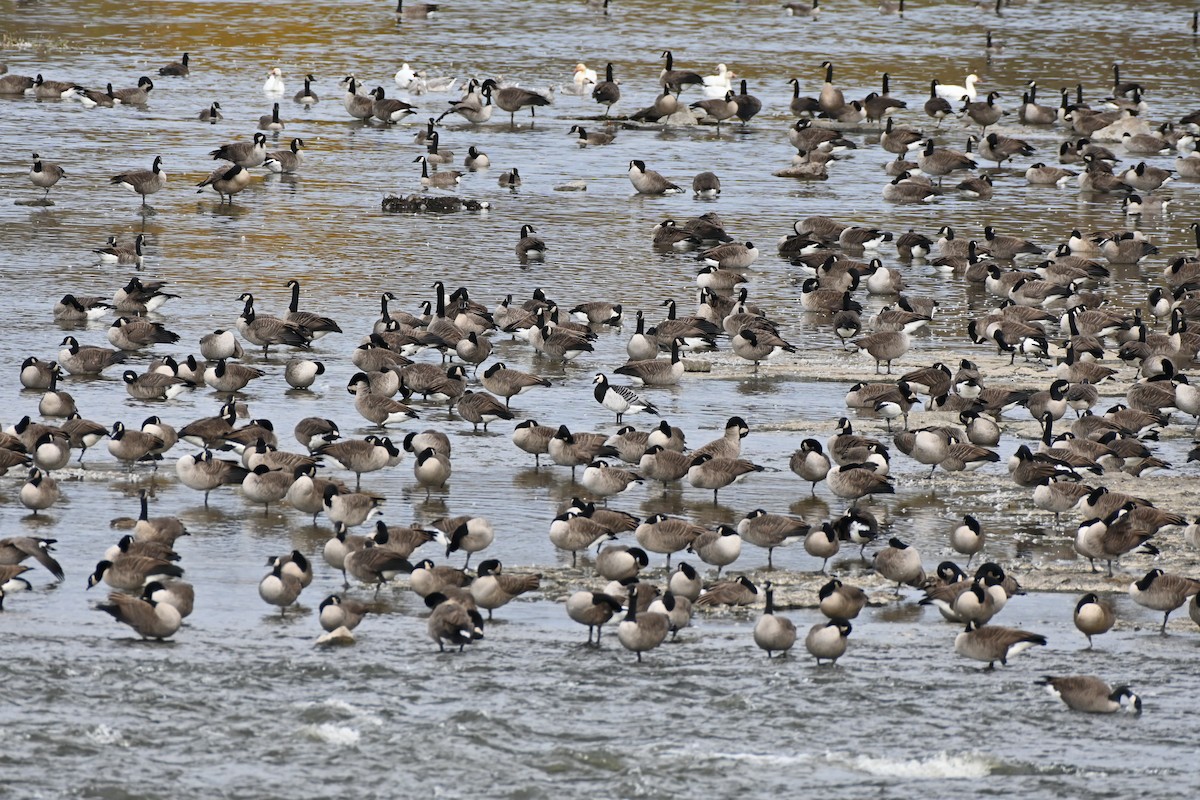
(336, 709)
(938, 765)
(103, 734)
(341, 735)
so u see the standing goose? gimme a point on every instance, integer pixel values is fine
(14, 550)
(357, 105)
(675, 79)
(306, 96)
(264, 331)
(131, 573)
(720, 548)
(376, 408)
(707, 472)
(939, 162)
(451, 620)
(810, 463)
(204, 473)
(748, 105)
(885, 346)
(389, 110)
(493, 588)
(828, 640)
(756, 346)
(481, 408)
(143, 182)
(280, 588)
(620, 400)
(336, 612)
(648, 181)
(639, 633)
(618, 562)
(152, 619)
(993, 643)
(244, 154)
(839, 601)
(431, 469)
(507, 383)
(285, 161)
(719, 110)
(607, 92)
(1093, 616)
(770, 531)
(655, 372)
(43, 175)
(592, 609)
(512, 99)
(1091, 695)
(831, 99)
(901, 563)
(226, 181)
(1162, 592)
(315, 324)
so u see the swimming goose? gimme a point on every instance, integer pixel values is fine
(306, 96)
(802, 9)
(530, 247)
(827, 640)
(271, 122)
(648, 181)
(994, 643)
(493, 588)
(274, 83)
(135, 96)
(513, 98)
(151, 618)
(244, 154)
(388, 109)
(476, 159)
(1091, 694)
(80, 308)
(51, 90)
(143, 182)
(285, 161)
(226, 181)
(1162, 592)
(415, 11)
(15, 84)
(211, 114)
(595, 139)
(441, 180)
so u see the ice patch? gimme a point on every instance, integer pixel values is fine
(341, 735)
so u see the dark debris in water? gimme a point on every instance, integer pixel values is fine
(430, 204)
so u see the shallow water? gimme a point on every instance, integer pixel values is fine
(529, 713)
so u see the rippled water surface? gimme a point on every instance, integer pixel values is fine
(241, 704)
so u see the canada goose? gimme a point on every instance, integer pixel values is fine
(14, 550)
(573, 450)
(607, 93)
(143, 182)
(152, 619)
(80, 308)
(592, 609)
(707, 472)
(475, 108)
(508, 383)
(306, 96)
(756, 346)
(128, 546)
(156, 529)
(575, 530)
(481, 408)
(440, 180)
(243, 154)
(770, 531)
(839, 601)
(129, 334)
(133, 446)
(719, 110)
(1040, 174)
(604, 481)
(51, 90)
(648, 181)
(1163, 592)
(387, 109)
(530, 247)
(492, 588)
(315, 324)
(280, 588)
(827, 640)
(136, 96)
(810, 463)
(1110, 538)
(274, 83)
(451, 620)
(271, 122)
(264, 331)
(901, 563)
(594, 139)
(994, 643)
(336, 612)
(1091, 694)
(36, 374)
(226, 181)
(357, 105)
(211, 114)
(655, 372)
(674, 79)
(285, 161)
(476, 159)
(374, 564)
(512, 99)
(432, 469)
(831, 98)
(662, 534)
(154, 385)
(885, 346)
(641, 632)
(131, 573)
(620, 400)
(773, 633)
(939, 162)
(45, 174)
(1093, 616)
(15, 84)
(204, 473)
(534, 439)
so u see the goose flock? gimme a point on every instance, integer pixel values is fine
(1065, 385)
